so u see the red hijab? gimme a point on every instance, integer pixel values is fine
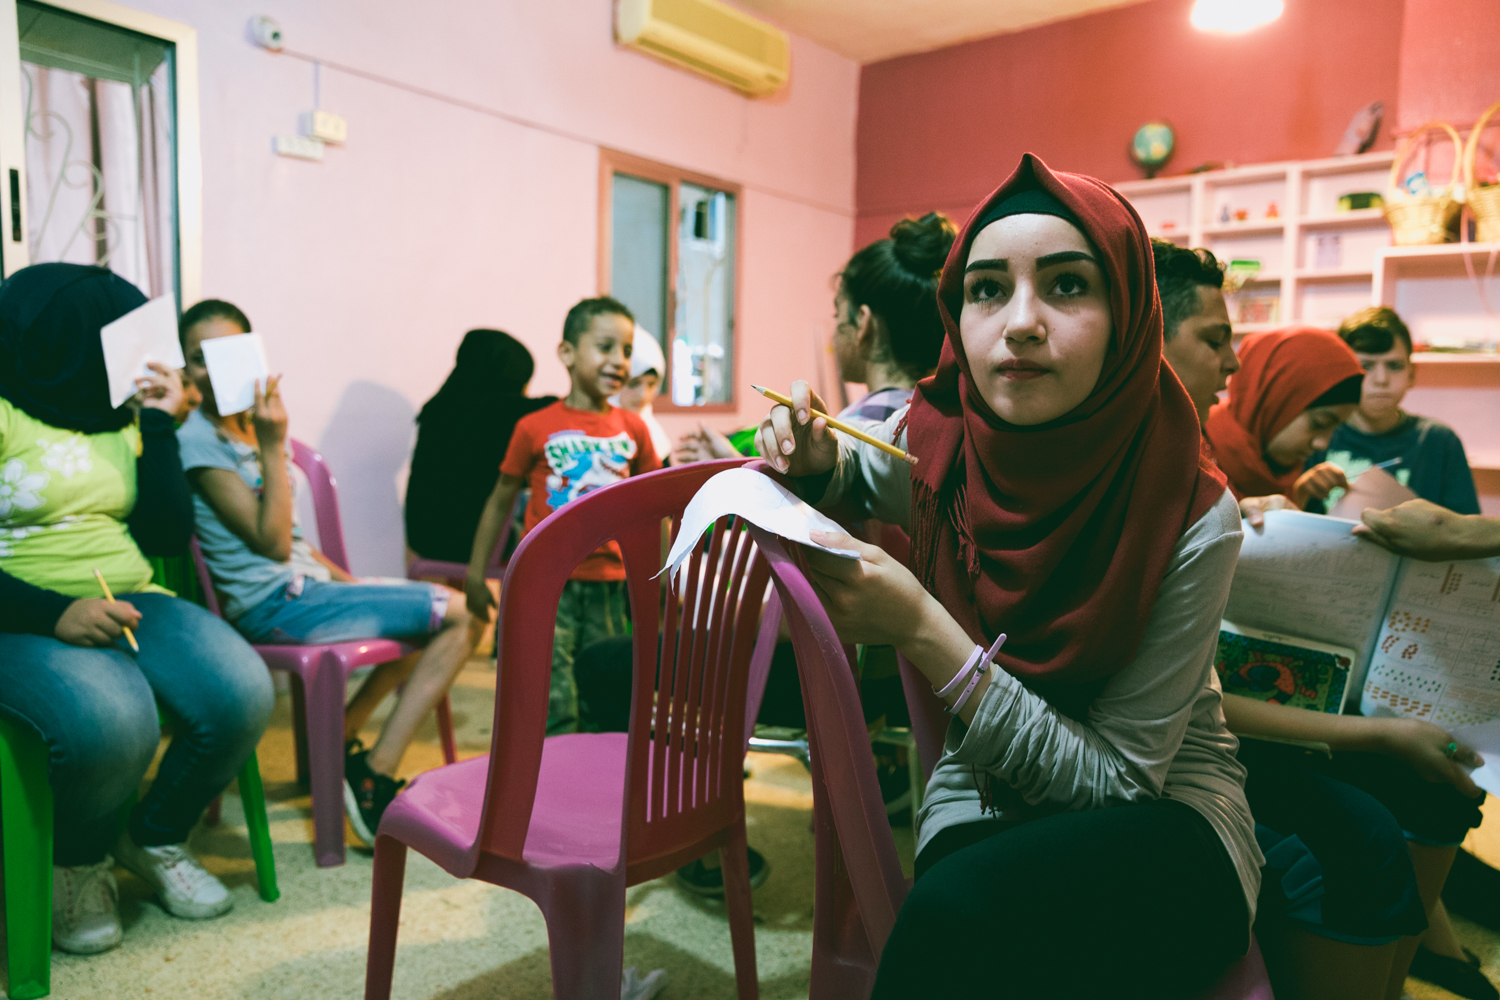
(1059, 534)
(1281, 373)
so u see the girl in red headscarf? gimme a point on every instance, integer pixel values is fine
(1089, 783)
(1294, 388)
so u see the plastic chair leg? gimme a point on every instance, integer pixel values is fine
(253, 798)
(385, 916)
(585, 914)
(26, 825)
(736, 865)
(325, 758)
(214, 812)
(299, 728)
(445, 730)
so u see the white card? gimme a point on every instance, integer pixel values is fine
(234, 365)
(1485, 738)
(760, 500)
(148, 333)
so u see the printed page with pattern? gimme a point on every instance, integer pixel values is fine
(1438, 654)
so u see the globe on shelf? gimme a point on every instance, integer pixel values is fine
(1152, 146)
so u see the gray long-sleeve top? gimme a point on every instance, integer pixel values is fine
(1157, 728)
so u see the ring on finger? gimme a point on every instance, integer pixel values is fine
(1451, 751)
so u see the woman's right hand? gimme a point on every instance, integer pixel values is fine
(478, 598)
(269, 414)
(796, 443)
(1424, 746)
(93, 621)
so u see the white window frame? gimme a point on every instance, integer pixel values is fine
(184, 40)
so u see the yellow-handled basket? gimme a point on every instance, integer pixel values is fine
(1484, 200)
(1426, 218)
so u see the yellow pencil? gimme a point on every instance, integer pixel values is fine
(839, 425)
(129, 636)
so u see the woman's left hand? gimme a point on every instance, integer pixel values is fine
(874, 600)
(161, 390)
(1316, 483)
(1425, 747)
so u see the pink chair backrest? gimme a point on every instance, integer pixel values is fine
(843, 769)
(325, 500)
(686, 744)
(205, 579)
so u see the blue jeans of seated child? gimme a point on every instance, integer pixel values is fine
(96, 710)
(341, 612)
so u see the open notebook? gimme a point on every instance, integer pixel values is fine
(1425, 637)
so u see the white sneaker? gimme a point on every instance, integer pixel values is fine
(85, 908)
(183, 887)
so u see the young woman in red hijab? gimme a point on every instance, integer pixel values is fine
(1294, 388)
(1088, 783)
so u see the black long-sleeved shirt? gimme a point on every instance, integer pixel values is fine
(161, 524)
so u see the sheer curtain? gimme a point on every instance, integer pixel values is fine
(99, 148)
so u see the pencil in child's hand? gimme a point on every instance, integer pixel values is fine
(839, 425)
(129, 636)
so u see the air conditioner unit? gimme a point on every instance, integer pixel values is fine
(710, 38)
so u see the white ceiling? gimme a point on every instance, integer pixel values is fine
(871, 30)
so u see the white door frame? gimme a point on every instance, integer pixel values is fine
(189, 153)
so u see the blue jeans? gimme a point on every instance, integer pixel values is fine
(96, 710)
(341, 612)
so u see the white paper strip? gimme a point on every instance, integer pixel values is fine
(760, 500)
(234, 365)
(148, 333)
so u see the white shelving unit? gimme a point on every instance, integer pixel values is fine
(1317, 264)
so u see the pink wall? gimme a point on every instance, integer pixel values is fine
(1450, 61)
(442, 213)
(941, 129)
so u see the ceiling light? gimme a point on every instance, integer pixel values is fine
(1234, 16)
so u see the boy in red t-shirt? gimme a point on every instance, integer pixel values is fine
(563, 451)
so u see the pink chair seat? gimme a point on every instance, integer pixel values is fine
(352, 655)
(575, 818)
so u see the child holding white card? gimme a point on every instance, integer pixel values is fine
(277, 589)
(85, 488)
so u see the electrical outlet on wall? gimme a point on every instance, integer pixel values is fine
(299, 146)
(324, 126)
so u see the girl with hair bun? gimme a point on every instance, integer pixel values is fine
(889, 331)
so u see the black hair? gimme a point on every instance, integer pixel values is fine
(581, 316)
(1374, 330)
(897, 278)
(1180, 272)
(211, 309)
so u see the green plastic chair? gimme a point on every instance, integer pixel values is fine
(26, 837)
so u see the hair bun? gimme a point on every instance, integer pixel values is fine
(922, 245)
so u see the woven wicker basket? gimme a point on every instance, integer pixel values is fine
(1484, 201)
(1421, 219)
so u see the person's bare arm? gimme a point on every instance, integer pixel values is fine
(264, 522)
(1423, 530)
(1419, 743)
(335, 571)
(491, 523)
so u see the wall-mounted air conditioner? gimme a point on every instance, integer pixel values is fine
(709, 38)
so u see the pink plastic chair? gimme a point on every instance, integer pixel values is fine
(455, 573)
(572, 820)
(859, 886)
(322, 673)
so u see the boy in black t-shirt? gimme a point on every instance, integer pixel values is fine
(1430, 458)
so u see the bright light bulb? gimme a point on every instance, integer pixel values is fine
(1234, 16)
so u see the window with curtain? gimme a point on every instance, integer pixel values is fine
(670, 256)
(100, 146)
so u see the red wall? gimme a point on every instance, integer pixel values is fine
(941, 129)
(1450, 61)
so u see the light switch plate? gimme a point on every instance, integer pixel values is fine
(299, 146)
(324, 125)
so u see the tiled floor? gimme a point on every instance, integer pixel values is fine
(467, 940)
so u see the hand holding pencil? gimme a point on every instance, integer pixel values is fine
(794, 437)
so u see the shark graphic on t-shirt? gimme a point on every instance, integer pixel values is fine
(581, 463)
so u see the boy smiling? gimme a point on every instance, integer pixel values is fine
(563, 451)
